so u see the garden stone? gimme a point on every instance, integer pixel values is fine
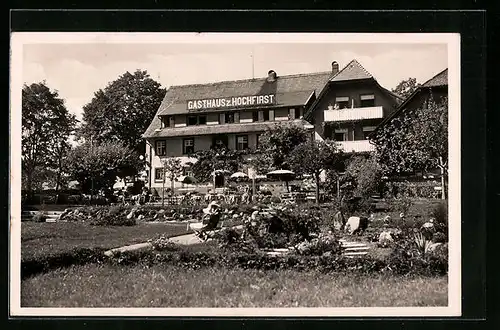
(385, 238)
(155, 216)
(356, 225)
(132, 213)
(140, 217)
(161, 211)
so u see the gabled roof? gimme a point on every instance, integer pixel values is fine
(290, 90)
(352, 71)
(439, 80)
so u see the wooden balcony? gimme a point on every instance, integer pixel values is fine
(351, 114)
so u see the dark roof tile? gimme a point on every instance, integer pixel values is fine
(441, 79)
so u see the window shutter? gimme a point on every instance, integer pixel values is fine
(236, 117)
(261, 115)
(222, 118)
(291, 114)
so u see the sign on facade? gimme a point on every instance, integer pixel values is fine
(231, 102)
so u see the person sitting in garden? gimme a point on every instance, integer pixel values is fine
(211, 219)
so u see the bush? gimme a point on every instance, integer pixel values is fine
(40, 217)
(323, 244)
(401, 204)
(163, 243)
(112, 216)
(440, 215)
(409, 258)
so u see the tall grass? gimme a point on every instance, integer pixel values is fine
(168, 286)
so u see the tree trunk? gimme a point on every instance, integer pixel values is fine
(316, 178)
(443, 185)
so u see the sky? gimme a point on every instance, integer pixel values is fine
(77, 71)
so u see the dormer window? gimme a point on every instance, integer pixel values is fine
(196, 120)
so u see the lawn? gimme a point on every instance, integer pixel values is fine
(40, 239)
(168, 286)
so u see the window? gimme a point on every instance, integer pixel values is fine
(188, 146)
(340, 135)
(192, 120)
(219, 141)
(242, 142)
(255, 116)
(187, 171)
(161, 147)
(342, 102)
(367, 100)
(236, 117)
(229, 118)
(159, 174)
(265, 114)
(171, 121)
(202, 120)
(367, 131)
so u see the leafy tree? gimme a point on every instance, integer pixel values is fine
(365, 175)
(96, 166)
(46, 127)
(207, 161)
(172, 168)
(313, 157)
(406, 87)
(123, 110)
(276, 145)
(417, 140)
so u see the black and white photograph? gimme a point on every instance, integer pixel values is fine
(235, 174)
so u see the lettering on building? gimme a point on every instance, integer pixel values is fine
(231, 102)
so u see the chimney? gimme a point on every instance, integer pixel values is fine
(335, 68)
(271, 76)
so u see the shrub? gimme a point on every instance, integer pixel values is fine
(401, 204)
(40, 217)
(162, 243)
(440, 215)
(319, 246)
(112, 216)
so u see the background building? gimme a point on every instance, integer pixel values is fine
(230, 113)
(350, 107)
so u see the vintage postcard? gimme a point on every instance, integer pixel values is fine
(235, 174)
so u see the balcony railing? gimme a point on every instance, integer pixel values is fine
(356, 146)
(354, 114)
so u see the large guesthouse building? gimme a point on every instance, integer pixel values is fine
(234, 113)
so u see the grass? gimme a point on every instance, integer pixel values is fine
(169, 286)
(41, 239)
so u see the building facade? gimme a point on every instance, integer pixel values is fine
(198, 117)
(345, 105)
(350, 107)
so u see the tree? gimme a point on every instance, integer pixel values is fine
(123, 110)
(172, 168)
(417, 140)
(313, 157)
(406, 87)
(276, 145)
(365, 175)
(46, 127)
(96, 166)
(207, 161)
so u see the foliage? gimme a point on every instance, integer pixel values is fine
(216, 159)
(424, 189)
(163, 243)
(46, 127)
(407, 258)
(112, 216)
(40, 217)
(276, 145)
(401, 204)
(100, 163)
(417, 140)
(440, 215)
(313, 157)
(406, 87)
(172, 169)
(123, 110)
(365, 176)
(324, 244)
